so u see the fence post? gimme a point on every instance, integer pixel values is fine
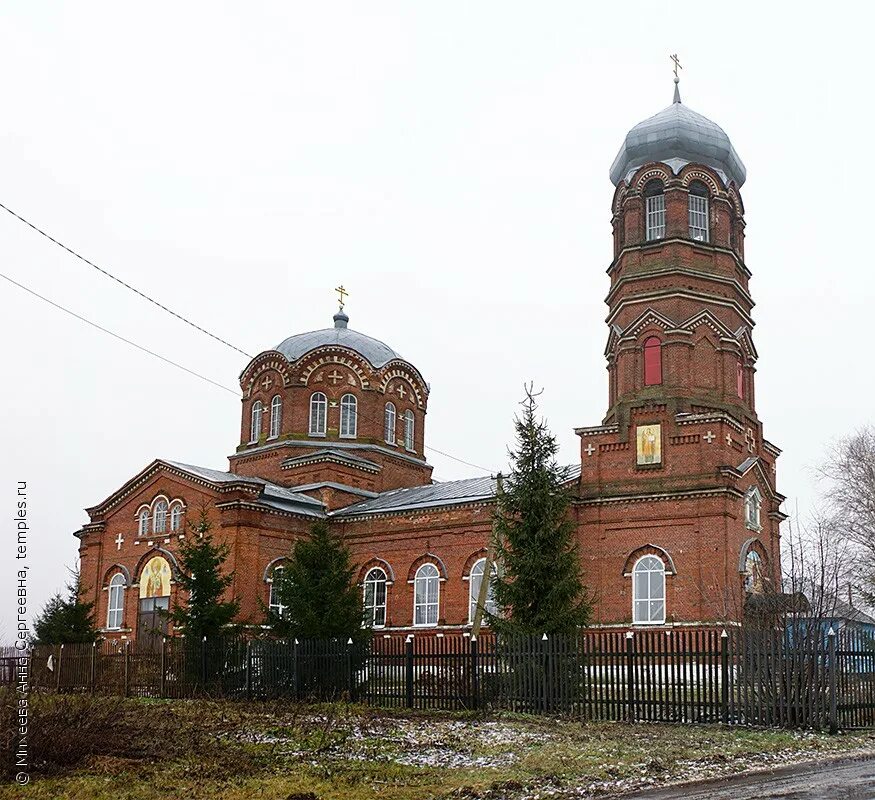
(204, 664)
(93, 675)
(545, 665)
(724, 677)
(475, 673)
(833, 683)
(408, 670)
(295, 668)
(350, 670)
(248, 669)
(162, 688)
(58, 673)
(127, 689)
(630, 674)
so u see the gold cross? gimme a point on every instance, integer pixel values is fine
(677, 64)
(341, 292)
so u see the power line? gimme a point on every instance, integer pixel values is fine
(118, 336)
(122, 283)
(143, 349)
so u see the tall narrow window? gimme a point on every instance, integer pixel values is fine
(654, 204)
(409, 423)
(255, 428)
(652, 361)
(143, 526)
(739, 379)
(648, 591)
(753, 573)
(698, 211)
(176, 517)
(116, 610)
(274, 601)
(474, 584)
(752, 503)
(159, 520)
(348, 416)
(389, 424)
(375, 597)
(276, 416)
(426, 595)
(318, 408)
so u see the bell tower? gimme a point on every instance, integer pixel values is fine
(679, 473)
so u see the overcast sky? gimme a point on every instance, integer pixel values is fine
(448, 162)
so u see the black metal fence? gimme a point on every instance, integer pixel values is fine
(739, 677)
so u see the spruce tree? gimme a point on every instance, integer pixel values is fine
(66, 620)
(201, 577)
(316, 586)
(540, 586)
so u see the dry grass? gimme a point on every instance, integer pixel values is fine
(204, 750)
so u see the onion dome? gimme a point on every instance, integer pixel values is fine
(678, 136)
(375, 352)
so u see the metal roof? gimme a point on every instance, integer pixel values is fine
(376, 352)
(467, 490)
(678, 136)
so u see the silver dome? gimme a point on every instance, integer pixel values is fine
(376, 352)
(678, 136)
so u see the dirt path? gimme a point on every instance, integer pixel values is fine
(848, 779)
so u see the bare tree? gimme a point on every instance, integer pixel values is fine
(849, 473)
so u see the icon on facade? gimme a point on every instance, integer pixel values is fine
(649, 438)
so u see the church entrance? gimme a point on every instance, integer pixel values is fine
(154, 603)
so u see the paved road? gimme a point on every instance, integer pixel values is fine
(838, 780)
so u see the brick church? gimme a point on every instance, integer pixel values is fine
(674, 494)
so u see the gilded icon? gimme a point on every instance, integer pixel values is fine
(155, 580)
(649, 439)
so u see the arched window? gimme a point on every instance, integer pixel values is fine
(274, 601)
(654, 210)
(648, 591)
(348, 416)
(116, 609)
(143, 525)
(257, 414)
(698, 211)
(176, 517)
(475, 581)
(318, 408)
(159, 520)
(409, 423)
(389, 424)
(739, 379)
(752, 502)
(375, 597)
(426, 595)
(652, 361)
(276, 416)
(753, 573)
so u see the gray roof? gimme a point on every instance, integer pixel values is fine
(376, 352)
(677, 136)
(332, 454)
(467, 490)
(272, 494)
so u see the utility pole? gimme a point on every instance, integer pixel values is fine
(483, 594)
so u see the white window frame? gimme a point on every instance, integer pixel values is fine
(143, 523)
(375, 577)
(276, 416)
(698, 217)
(649, 569)
(426, 611)
(159, 517)
(318, 414)
(115, 610)
(475, 579)
(273, 603)
(176, 512)
(655, 217)
(753, 509)
(255, 422)
(409, 430)
(349, 416)
(389, 419)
